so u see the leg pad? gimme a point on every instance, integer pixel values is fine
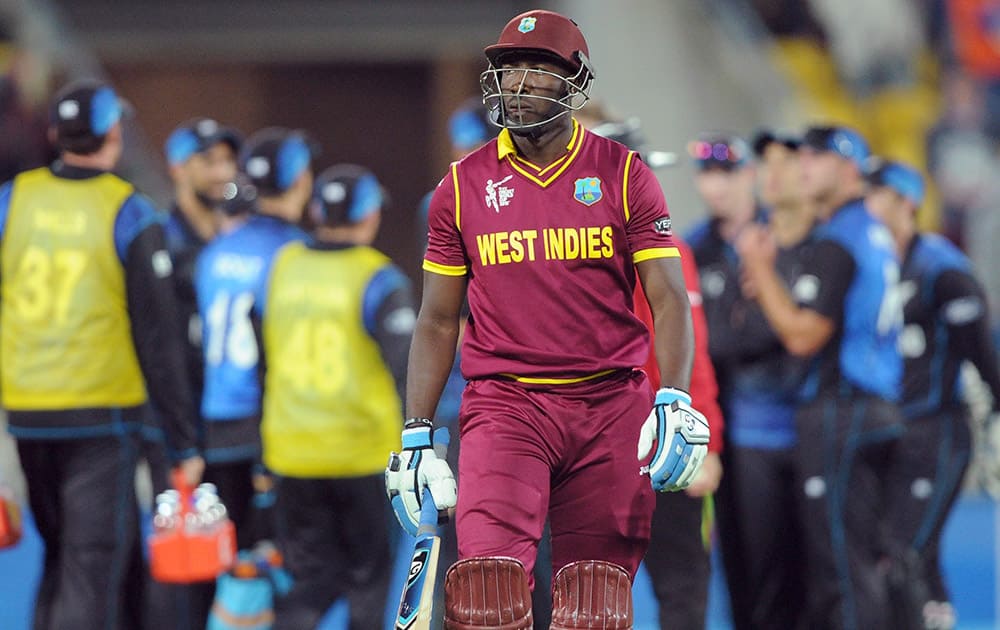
(591, 594)
(487, 593)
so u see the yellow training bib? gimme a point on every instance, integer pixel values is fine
(330, 402)
(65, 334)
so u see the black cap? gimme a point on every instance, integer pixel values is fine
(273, 158)
(197, 135)
(842, 141)
(345, 194)
(719, 151)
(85, 109)
(766, 137)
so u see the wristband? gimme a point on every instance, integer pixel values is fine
(413, 423)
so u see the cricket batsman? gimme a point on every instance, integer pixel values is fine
(547, 229)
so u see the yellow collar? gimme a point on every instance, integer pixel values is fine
(505, 143)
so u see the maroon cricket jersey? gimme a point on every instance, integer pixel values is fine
(550, 254)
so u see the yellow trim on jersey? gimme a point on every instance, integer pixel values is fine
(532, 380)
(505, 145)
(655, 252)
(458, 199)
(628, 167)
(445, 270)
(506, 149)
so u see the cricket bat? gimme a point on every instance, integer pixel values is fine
(417, 600)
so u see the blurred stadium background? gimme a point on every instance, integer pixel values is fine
(375, 82)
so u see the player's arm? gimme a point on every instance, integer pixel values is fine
(961, 305)
(417, 468)
(389, 318)
(673, 335)
(435, 338)
(803, 329)
(704, 386)
(680, 433)
(152, 310)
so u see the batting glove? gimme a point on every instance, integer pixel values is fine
(416, 468)
(681, 435)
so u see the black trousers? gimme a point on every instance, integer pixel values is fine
(761, 545)
(842, 461)
(82, 495)
(924, 482)
(678, 561)
(334, 534)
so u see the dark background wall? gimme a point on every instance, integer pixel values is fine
(389, 117)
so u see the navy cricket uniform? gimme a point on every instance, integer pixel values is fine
(848, 421)
(946, 323)
(756, 501)
(229, 276)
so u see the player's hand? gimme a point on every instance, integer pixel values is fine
(756, 246)
(191, 470)
(415, 468)
(681, 436)
(707, 480)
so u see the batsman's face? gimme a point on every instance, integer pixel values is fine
(211, 170)
(531, 86)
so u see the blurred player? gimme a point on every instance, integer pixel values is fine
(678, 554)
(229, 276)
(843, 312)
(337, 321)
(546, 228)
(759, 523)
(725, 181)
(201, 156)
(89, 322)
(946, 323)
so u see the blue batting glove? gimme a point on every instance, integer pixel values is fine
(415, 469)
(681, 436)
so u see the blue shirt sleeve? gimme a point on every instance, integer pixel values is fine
(383, 284)
(135, 215)
(5, 192)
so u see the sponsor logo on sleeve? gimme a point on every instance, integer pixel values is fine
(662, 226)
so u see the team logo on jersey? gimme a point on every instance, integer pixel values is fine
(588, 191)
(497, 195)
(527, 24)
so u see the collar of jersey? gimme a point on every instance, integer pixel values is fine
(543, 176)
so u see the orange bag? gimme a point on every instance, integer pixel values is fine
(10, 519)
(190, 550)
(975, 33)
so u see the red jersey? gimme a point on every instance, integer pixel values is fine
(704, 387)
(549, 252)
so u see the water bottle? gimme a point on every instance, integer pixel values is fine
(167, 510)
(208, 505)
